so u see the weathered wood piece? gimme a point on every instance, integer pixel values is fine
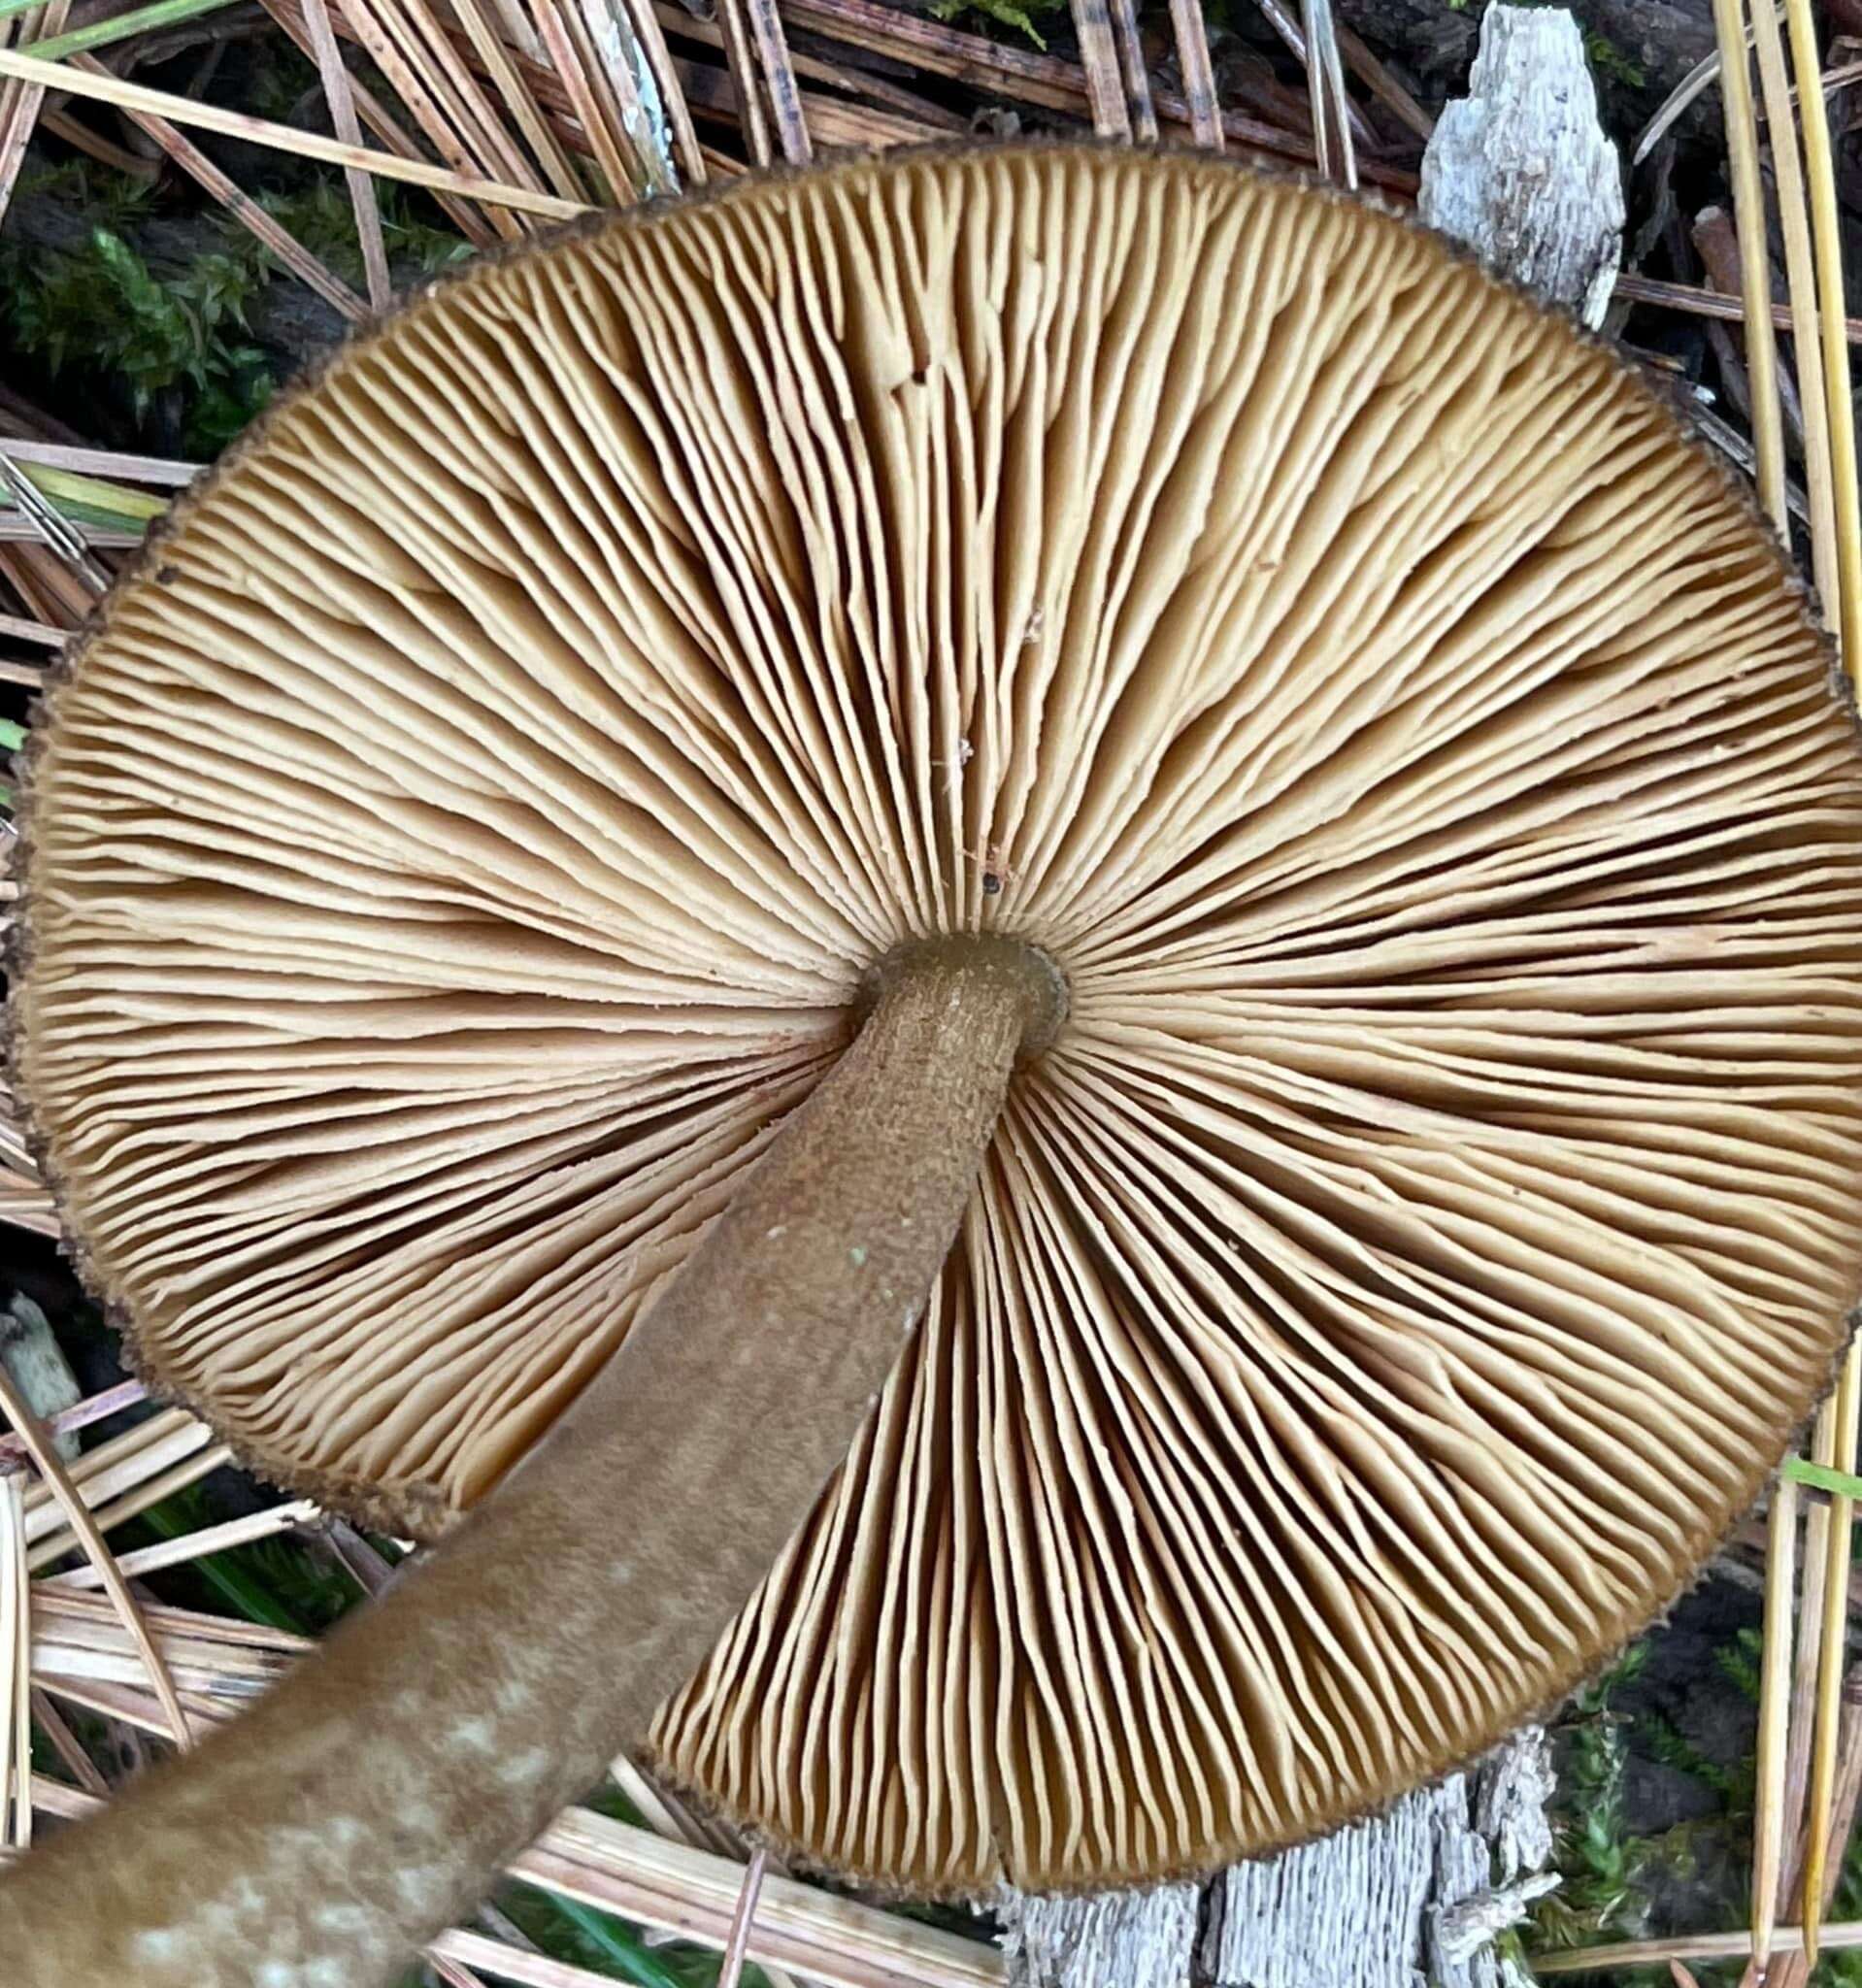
(1134, 1939)
(1519, 169)
(31, 1355)
(1414, 1897)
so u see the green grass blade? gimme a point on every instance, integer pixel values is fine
(225, 1578)
(90, 500)
(594, 1935)
(1820, 1477)
(138, 21)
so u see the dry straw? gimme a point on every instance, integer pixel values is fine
(308, 144)
(1799, 1730)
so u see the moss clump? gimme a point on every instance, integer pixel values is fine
(175, 353)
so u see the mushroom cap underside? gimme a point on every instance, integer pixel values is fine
(462, 841)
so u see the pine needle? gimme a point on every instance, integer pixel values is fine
(1773, 1715)
(1198, 73)
(1332, 107)
(420, 86)
(1827, 235)
(51, 1468)
(340, 96)
(308, 144)
(1829, 1682)
(21, 104)
(522, 105)
(99, 34)
(202, 1464)
(1755, 260)
(188, 1548)
(742, 1918)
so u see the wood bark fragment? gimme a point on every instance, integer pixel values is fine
(1416, 1894)
(31, 1354)
(1659, 41)
(1112, 1939)
(1420, 1892)
(1519, 169)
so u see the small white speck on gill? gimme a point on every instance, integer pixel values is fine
(524, 1768)
(475, 1735)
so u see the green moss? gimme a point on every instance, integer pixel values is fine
(1740, 1661)
(97, 319)
(96, 316)
(1666, 1742)
(320, 216)
(1016, 15)
(1608, 61)
(1601, 1862)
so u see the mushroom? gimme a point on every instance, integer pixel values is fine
(537, 889)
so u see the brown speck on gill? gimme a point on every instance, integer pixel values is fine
(1435, 1213)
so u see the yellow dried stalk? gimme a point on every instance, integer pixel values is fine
(1827, 236)
(16, 1687)
(1829, 1680)
(1800, 272)
(1735, 33)
(1842, 589)
(1755, 261)
(1773, 1715)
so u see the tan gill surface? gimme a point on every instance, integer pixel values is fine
(463, 840)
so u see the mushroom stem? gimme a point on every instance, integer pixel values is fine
(369, 1798)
